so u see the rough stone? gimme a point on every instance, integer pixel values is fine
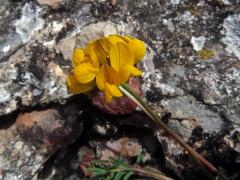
(95, 31)
(188, 107)
(125, 146)
(36, 74)
(5, 96)
(54, 4)
(29, 22)
(232, 34)
(66, 46)
(24, 82)
(35, 136)
(198, 42)
(10, 41)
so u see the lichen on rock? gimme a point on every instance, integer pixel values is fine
(29, 22)
(231, 34)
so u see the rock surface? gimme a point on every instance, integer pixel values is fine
(55, 4)
(35, 136)
(200, 92)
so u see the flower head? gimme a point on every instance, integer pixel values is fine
(106, 62)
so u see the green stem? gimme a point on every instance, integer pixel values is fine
(148, 173)
(138, 100)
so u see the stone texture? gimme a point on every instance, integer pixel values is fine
(29, 22)
(10, 41)
(95, 31)
(24, 83)
(46, 127)
(35, 136)
(125, 146)
(66, 47)
(36, 73)
(54, 4)
(232, 34)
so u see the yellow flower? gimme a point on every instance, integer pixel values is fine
(121, 67)
(76, 88)
(107, 80)
(86, 65)
(106, 62)
(138, 49)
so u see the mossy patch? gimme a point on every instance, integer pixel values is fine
(205, 53)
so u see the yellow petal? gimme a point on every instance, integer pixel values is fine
(138, 49)
(111, 75)
(85, 72)
(108, 96)
(115, 39)
(94, 59)
(113, 90)
(100, 79)
(102, 47)
(124, 73)
(120, 54)
(76, 88)
(133, 70)
(127, 39)
(90, 52)
(105, 44)
(78, 57)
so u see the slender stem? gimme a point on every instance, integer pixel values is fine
(138, 100)
(148, 173)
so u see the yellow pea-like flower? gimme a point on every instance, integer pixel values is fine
(76, 88)
(78, 57)
(106, 63)
(120, 55)
(138, 49)
(85, 73)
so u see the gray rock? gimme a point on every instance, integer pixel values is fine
(66, 47)
(35, 136)
(10, 41)
(202, 95)
(9, 44)
(29, 22)
(33, 79)
(175, 2)
(232, 34)
(54, 4)
(187, 107)
(198, 42)
(95, 31)
(5, 96)
(29, 83)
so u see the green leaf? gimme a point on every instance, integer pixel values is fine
(140, 158)
(112, 174)
(238, 136)
(117, 162)
(127, 176)
(119, 175)
(110, 177)
(97, 171)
